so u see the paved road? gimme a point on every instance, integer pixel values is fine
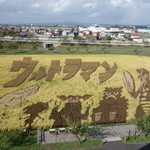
(122, 146)
(111, 132)
(117, 131)
(57, 41)
(101, 133)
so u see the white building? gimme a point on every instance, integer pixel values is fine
(143, 30)
(115, 30)
(66, 32)
(93, 28)
(126, 30)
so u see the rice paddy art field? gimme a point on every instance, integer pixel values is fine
(55, 90)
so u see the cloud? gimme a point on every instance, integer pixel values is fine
(35, 5)
(120, 2)
(79, 11)
(94, 14)
(87, 5)
(116, 2)
(1, 1)
(59, 5)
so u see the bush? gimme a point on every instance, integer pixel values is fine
(51, 48)
(18, 138)
(34, 46)
(9, 33)
(11, 45)
(144, 125)
(109, 38)
(1, 45)
(79, 130)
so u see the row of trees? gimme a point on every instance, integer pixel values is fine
(79, 130)
(14, 45)
(9, 33)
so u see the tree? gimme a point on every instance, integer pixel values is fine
(1, 45)
(68, 48)
(87, 49)
(135, 51)
(65, 40)
(34, 46)
(109, 38)
(144, 125)
(109, 44)
(81, 130)
(146, 43)
(104, 48)
(16, 138)
(130, 39)
(80, 39)
(31, 35)
(51, 48)
(9, 33)
(11, 45)
(2, 34)
(90, 33)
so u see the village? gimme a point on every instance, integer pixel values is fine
(93, 32)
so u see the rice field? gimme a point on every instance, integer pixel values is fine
(47, 90)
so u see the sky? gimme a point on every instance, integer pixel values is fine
(127, 12)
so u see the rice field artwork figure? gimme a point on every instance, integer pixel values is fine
(34, 110)
(143, 92)
(113, 107)
(18, 96)
(71, 113)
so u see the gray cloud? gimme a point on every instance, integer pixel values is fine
(80, 11)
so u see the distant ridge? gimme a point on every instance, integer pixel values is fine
(73, 23)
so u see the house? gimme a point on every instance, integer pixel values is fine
(24, 34)
(146, 38)
(16, 29)
(102, 34)
(66, 32)
(81, 34)
(59, 32)
(94, 37)
(2, 29)
(136, 38)
(122, 36)
(96, 29)
(112, 35)
(83, 29)
(115, 30)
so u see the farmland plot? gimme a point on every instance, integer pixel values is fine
(57, 90)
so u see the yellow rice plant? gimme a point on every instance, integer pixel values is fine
(13, 117)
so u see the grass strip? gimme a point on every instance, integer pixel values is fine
(74, 145)
(136, 139)
(53, 146)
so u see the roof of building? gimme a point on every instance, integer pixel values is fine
(91, 36)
